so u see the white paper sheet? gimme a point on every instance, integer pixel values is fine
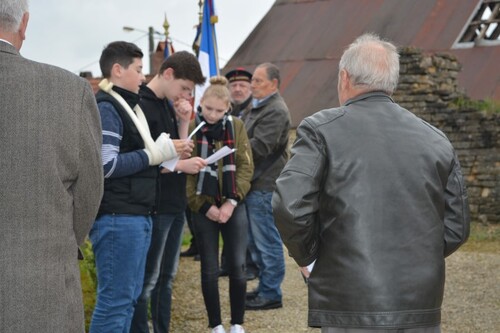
(311, 266)
(196, 130)
(170, 164)
(224, 151)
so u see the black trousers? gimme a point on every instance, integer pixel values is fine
(234, 233)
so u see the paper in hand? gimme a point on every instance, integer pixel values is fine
(170, 164)
(196, 130)
(224, 151)
(311, 266)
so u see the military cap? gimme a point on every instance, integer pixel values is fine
(238, 74)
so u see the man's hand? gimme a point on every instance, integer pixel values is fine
(183, 147)
(305, 273)
(191, 165)
(183, 109)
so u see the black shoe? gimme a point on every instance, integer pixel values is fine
(191, 252)
(223, 272)
(252, 294)
(261, 303)
(251, 275)
(196, 257)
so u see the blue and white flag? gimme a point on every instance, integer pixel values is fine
(208, 55)
(169, 49)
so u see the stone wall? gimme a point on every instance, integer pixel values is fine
(428, 87)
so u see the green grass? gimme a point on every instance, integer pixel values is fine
(483, 238)
(488, 105)
(186, 239)
(89, 282)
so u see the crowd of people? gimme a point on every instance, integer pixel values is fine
(154, 170)
(369, 204)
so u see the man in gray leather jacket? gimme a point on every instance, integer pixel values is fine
(375, 197)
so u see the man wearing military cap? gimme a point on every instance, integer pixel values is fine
(241, 98)
(241, 95)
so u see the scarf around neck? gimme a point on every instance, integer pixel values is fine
(136, 114)
(208, 178)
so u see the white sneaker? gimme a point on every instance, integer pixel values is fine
(237, 329)
(218, 329)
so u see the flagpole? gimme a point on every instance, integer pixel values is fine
(216, 53)
(168, 49)
(200, 13)
(166, 26)
(208, 53)
(196, 43)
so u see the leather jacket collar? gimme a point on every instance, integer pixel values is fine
(371, 94)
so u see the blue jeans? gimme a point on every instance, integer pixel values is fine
(120, 244)
(161, 267)
(234, 235)
(265, 244)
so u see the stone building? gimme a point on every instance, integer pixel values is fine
(428, 87)
(449, 50)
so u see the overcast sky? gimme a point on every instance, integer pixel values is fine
(72, 33)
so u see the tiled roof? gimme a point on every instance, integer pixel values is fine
(306, 39)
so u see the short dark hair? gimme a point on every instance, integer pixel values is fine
(185, 66)
(120, 52)
(272, 71)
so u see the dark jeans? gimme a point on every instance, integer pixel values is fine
(251, 267)
(234, 234)
(161, 267)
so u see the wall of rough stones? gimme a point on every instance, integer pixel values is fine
(428, 87)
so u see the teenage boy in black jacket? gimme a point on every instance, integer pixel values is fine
(166, 104)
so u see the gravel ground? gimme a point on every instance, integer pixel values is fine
(471, 303)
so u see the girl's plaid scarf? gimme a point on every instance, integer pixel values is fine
(208, 178)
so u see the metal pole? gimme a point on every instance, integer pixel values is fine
(151, 49)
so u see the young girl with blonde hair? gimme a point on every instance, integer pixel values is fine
(215, 196)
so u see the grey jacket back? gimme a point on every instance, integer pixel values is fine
(376, 196)
(50, 189)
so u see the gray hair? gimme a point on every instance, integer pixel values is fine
(372, 63)
(272, 71)
(11, 14)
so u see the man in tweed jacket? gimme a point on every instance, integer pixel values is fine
(50, 185)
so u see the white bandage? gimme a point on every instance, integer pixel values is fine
(162, 150)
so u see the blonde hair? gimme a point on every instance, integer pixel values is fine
(218, 88)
